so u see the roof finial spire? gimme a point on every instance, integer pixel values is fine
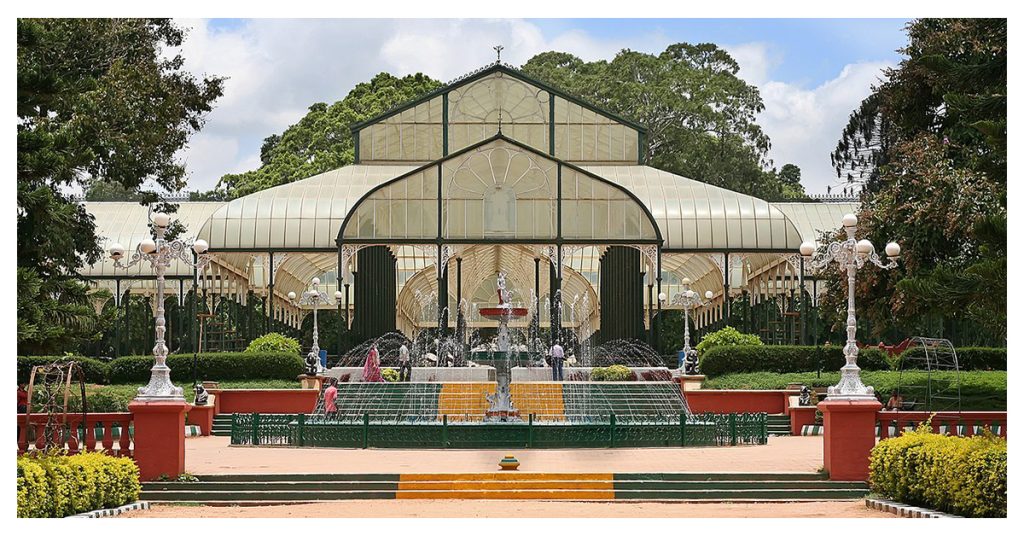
(498, 49)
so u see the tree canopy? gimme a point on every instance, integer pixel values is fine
(100, 105)
(929, 148)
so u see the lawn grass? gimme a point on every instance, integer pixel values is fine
(979, 390)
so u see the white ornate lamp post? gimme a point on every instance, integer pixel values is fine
(315, 298)
(852, 254)
(160, 253)
(688, 299)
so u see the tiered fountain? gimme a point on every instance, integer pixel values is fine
(501, 409)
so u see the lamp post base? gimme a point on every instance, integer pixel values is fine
(849, 437)
(159, 437)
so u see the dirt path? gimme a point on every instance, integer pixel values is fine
(517, 509)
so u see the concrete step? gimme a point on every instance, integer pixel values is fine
(285, 488)
(543, 493)
(355, 485)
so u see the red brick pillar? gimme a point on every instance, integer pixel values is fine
(159, 437)
(849, 436)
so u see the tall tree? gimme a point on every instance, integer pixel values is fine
(98, 100)
(929, 147)
(700, 116)
(322, 140)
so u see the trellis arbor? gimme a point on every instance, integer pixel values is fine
(493, 172)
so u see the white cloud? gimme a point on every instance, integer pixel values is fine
(805, 124)
(756, 61)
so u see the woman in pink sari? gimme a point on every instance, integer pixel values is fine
(371, 370)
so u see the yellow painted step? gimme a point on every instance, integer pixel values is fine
(542, 399)
(515, 494)
(438, 477)
(464, 401)
(506, 485)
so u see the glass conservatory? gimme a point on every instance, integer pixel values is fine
(495, 172)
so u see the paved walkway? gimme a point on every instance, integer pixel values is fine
(213, 455)
(519, 509)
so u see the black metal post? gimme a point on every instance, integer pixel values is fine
(348, 323)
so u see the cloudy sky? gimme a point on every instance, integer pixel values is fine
(811, 73)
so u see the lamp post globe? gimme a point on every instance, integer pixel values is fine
(200, 246)
(850, 220)
(147, 246)
(291, 296)
(865, 247)
(161, 219)
(807, 249)
(116, 251)
(892, 249)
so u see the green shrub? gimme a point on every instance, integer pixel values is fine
(390, 375)
(274, 343)
(727, 336)
(59, 486)
(219, 366)
(614, 373)
(960, 475)
(96, 371)
(731, 359)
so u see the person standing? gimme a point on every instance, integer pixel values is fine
(371, 369)
(331, 397)
(404, 367)
(557, 356)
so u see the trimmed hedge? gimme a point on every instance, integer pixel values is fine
(959, 475)
(221, 366)
(96, 371)
(969, 357)
(783, 359)
(980, 390)
(60, 486)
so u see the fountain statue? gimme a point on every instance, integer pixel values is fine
(501, 408)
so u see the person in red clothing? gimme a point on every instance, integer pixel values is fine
(331, 397)
(22, 398)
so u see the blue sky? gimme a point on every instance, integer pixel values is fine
(811, 72)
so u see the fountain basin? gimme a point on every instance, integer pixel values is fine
(499, 313)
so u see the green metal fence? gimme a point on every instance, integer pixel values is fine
(709, 429)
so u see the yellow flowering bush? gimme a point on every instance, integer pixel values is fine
(59, 486)
(959, 475)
